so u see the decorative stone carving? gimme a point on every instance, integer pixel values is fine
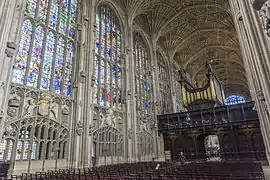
(93, 80)
(43, 109)
(129, 133)
(14, 104)
(265, 17)
(109, 120)
(65, 110)
(15, 101)
(79, 128)
(92, 128)
(53, 111)
(11, 48)
(29, 107)
(12, 111)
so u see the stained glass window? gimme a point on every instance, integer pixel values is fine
(19, 150)
(46, 53)
(2, 149)
(235, 99)
(164, 86)
(143, 78)
(108, 70)
(34, 148)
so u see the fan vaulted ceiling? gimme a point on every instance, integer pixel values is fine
(194, 32)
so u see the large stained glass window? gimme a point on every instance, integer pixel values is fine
(46, 48)
(164, 86)
(108, 70)
(143, 78)
(235, 99)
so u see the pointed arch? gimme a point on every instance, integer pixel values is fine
(143, 78)
(108, 58)
(41, 61)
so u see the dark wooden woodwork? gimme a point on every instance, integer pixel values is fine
(237, 128)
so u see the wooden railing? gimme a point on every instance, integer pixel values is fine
(217, 116)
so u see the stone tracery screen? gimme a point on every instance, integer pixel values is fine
(143, 78)
(108, 60)
(47, 46)
(164, 86)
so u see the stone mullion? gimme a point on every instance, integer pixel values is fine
(118, 69)
(99, 57)
(55, 48)
(111, 63)
(141, 89)
(138, 80)
(137, 77)
(29, 155)
(29, 57)
(106, 61)
(65, 47)
(116, 72)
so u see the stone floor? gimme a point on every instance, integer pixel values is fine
(266, 170)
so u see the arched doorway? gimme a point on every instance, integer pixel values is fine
(208, 147)
(212, 148)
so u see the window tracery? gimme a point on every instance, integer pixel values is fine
(37, 141)
(143, 79)
(164, 85)
(235, 99)
(107, 126)
(46, 48)
(108, 71)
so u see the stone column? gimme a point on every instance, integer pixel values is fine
(81, 145)
(88, 85)
(131, 147)
(156, 94)
(11, 19)
(251, 60)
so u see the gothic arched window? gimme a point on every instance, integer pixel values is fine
(108, 61)
(47, 45)
(235, 99)
(143, 78)
(164, 85)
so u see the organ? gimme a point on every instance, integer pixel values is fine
(211, 95)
